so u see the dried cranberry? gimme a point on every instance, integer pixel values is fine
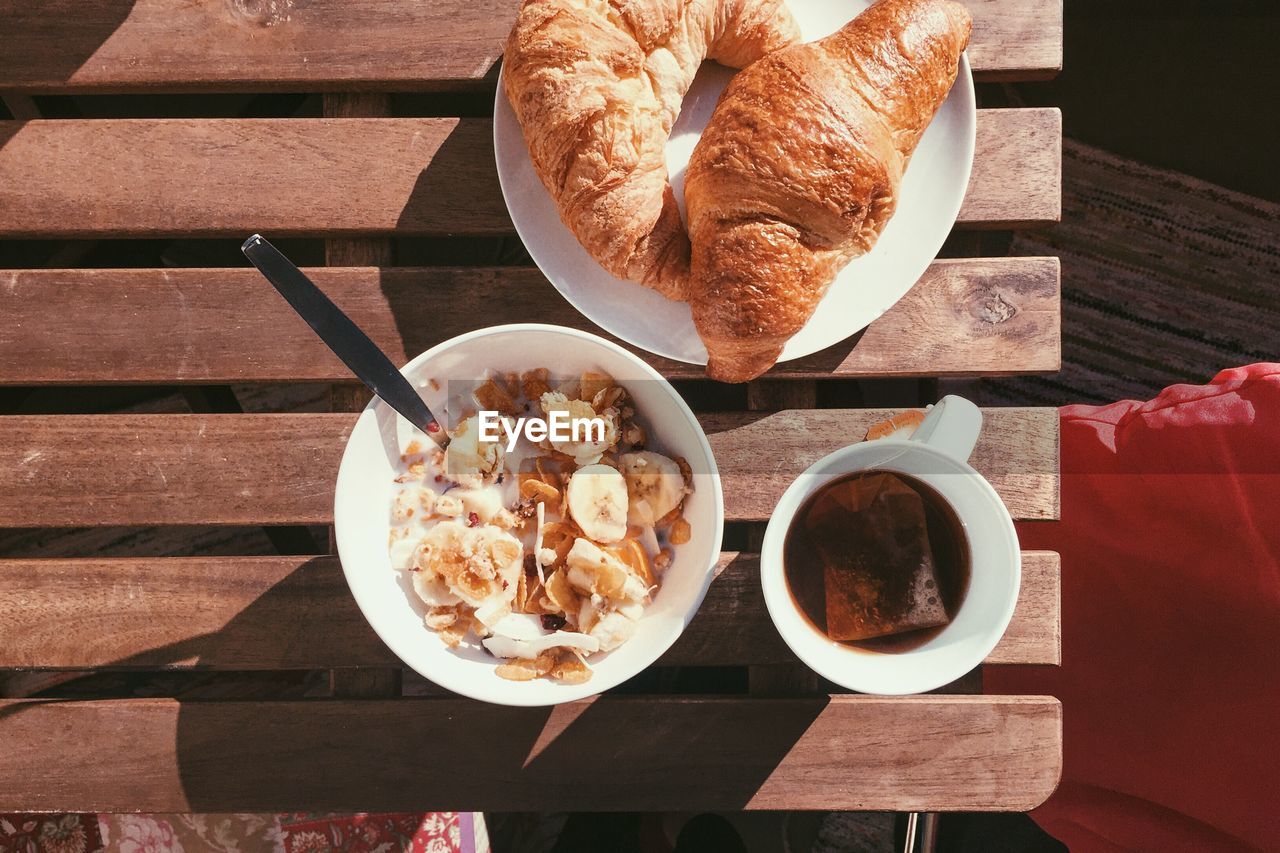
(432, 426)
(473, 520)
(439, 478)
(552, 621)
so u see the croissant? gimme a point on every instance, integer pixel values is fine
(797, 172)
(597, 85)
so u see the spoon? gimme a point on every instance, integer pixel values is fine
(370, 364)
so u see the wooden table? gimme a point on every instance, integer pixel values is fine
(375, 187)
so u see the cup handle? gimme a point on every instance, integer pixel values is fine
(952, 426)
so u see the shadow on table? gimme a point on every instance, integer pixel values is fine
(8, 130)
(457, 193)
(39, 42)
(625, 752)
(611, 753)
(448, 752)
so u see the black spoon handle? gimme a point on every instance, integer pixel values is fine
(370, 365)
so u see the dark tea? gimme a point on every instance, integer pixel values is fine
(877, 560)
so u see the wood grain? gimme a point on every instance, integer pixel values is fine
(366, 251)
(364, 176)
(330, 177)
(90, 470)
(351, 397)
(612, 753)
(1015, 41)
(245, 613)
(759, 455)
(377, 45)
(1035, 632)
(988, 316)
(1029, 153)
(792, 678)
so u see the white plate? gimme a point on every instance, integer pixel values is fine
(931, 193)
(362, 511)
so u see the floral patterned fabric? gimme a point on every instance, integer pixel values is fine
(432, 832)
(190, 833)
(49, 833)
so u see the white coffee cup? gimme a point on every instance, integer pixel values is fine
(936, 454)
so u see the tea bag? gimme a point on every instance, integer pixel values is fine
(878, 567)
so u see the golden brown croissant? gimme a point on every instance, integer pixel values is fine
(797, 172)
(596, 85)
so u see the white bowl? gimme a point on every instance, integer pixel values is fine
(362, 517)
(928, 203)
(984, 614)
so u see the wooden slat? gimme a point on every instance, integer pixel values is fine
(1015, 41)
(661, 754)
(732, 626)
(985, 316)
(759, 455)
(333, 45)
(296, 613)
(328, 177)
(1035, 632)
(348, 177)
(1025, 146)
(786, 679)
(376, 251)
(368, 251)
(86, 470)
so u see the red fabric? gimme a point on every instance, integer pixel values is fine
(416, 832)
(1170, 683)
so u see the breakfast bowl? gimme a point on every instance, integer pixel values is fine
(366, 492)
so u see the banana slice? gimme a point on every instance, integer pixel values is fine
(479, 565)
(432, 589)
(612, 629)
(654, 485)
(597, 500)
(469, 460)
(592, 445)
(485, 502)
(593, 570)
(404, 548)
